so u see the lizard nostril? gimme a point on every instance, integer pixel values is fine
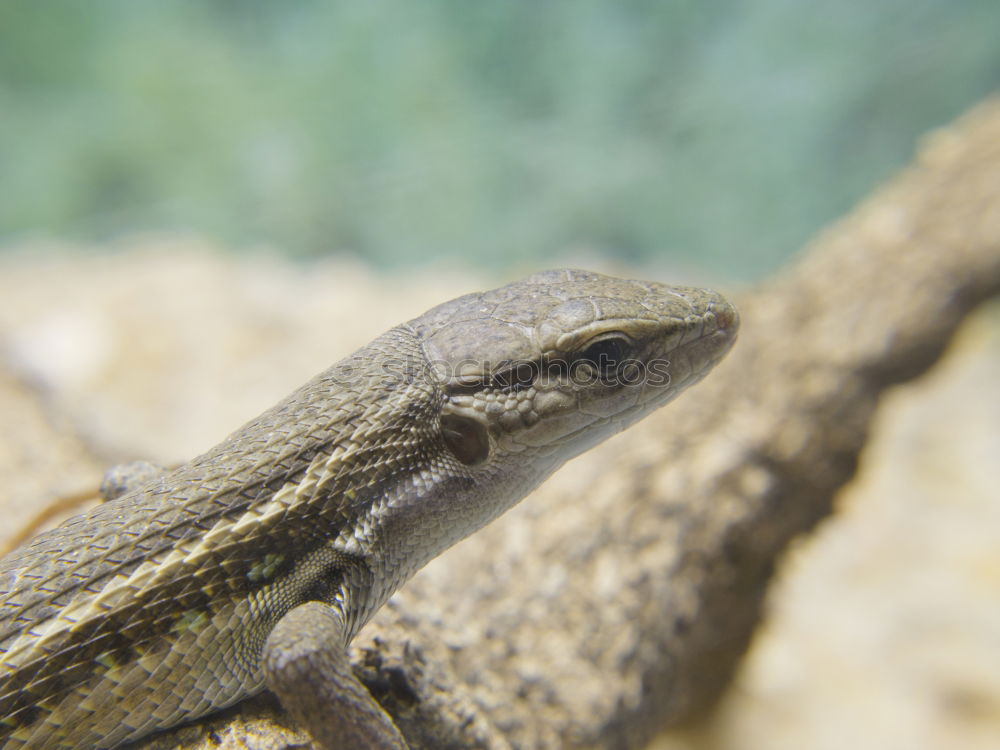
(727, 318)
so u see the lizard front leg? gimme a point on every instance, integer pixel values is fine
(305, 663)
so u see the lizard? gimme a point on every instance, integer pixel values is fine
(254, 565)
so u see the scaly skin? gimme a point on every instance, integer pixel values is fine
(254, 565)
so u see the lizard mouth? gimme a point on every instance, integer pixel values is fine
(585, 427)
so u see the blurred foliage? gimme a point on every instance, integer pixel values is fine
(719, 133)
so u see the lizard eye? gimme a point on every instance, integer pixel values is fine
(607, 353)
(466, 438)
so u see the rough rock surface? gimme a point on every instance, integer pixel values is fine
(620, 597)
(882, 627)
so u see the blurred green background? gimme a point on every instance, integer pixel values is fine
(712, 135)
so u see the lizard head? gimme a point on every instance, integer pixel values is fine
(470, 406)
(542, 369)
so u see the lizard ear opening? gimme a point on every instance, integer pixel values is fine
(466, 438)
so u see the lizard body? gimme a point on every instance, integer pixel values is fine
(255, 564)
